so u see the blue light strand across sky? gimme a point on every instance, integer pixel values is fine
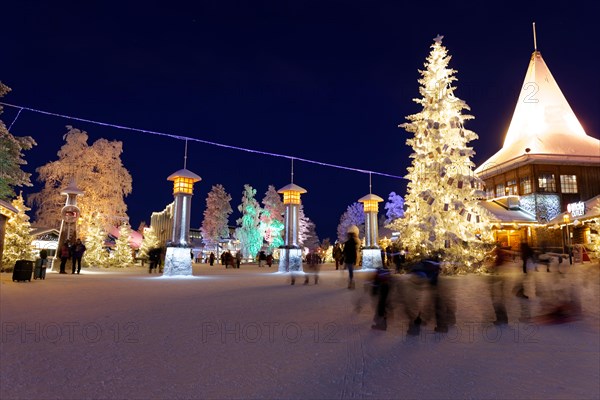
(179, 137)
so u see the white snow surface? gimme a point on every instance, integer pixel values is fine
(249, 334)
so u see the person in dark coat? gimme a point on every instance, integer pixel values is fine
(65, 254)
(337, 255)
(351, 253)
(154, 258)
(262, 259)
(211, 259)
(77, 251)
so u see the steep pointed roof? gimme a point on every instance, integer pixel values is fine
(543, 126)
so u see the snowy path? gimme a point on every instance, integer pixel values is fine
(248, 334)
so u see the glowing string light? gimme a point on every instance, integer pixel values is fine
(15, 120)
(179, 137)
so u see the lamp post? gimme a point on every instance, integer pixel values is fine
(177, 257)
(290, 254)
(70, 214)
(371, 253)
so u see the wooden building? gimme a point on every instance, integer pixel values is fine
(547, 162)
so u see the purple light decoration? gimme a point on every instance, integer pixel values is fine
(179, 137)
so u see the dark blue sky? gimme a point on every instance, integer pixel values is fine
(322, 80)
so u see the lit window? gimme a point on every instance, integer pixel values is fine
(525, 185)
(500, 189)
(546, 183)
(511, 188)
(568, 183)
(489, 193)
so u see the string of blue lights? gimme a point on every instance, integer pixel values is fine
(179, 137)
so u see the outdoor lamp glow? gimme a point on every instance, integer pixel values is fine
(183, 181)
(291, 193)
(371, 202)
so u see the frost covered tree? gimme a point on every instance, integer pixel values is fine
(354, 215)
(95, 254)
(215, 224)
(11, 157)
(394, 207)
(248, 232)
(17, 240)
(442, 213)
(149, 241)
(311, 239)
(98, 172)
(271, 219)
(122, 255)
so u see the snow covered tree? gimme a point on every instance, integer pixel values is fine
(95, 254)
(122, 255)
(271, 219)
(215, 224)
(98, 172)
(311, 240)
(11, 148)
(17, 240)
(149, 241)
(442, 213)
(354, 215)
(394, 207)
(248, 232)
(303, 226)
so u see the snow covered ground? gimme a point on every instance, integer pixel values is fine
(249, 334)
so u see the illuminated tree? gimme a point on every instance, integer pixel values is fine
(307, 232)
(442, 214)
(354, 215)
(17, 242)
(271, 219)
(394, 207)
(122, 255)
(149, 241)
(98, 172)
(95, 254)
(215, 224)
(11, 147)
(248, 233)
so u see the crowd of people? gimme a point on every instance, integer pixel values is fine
(424, 295)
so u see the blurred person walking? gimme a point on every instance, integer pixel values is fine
(312, 261)
(351, 253)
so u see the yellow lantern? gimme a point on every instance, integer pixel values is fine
(371, 203)
(291, 193)
(183, 181)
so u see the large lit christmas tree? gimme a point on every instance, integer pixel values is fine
(271, 219)
(122, 255)
(248, 232)
(95, 253)
(17, 244)
(442, 214)
(149, 241)
(215, 224)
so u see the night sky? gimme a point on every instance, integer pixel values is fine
(323, 80)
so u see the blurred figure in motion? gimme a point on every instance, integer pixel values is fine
(497, 286)
(312, 265)
(351, 253)
(560, 303)
(428, 296)
(381, 285)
